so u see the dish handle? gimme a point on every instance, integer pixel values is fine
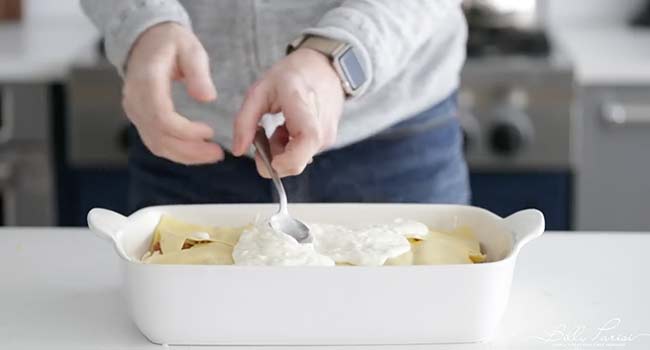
(525, 225)
(105, 223)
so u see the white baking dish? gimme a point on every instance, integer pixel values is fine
(207, 304)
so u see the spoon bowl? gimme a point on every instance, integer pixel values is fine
(281, 221)
(285, 223)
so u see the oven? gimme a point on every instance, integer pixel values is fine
(93, 162)
(26, 168)
(516, 110)
(517, 122)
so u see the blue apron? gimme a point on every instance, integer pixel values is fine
(418, 160)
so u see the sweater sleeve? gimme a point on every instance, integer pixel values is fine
(122, 21)
(384, 33)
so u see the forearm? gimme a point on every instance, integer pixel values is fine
(385, 33)
(122, 21)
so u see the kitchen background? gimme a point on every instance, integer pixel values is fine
(555, 107)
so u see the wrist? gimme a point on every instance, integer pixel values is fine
(318, 64)
(314, 58)
(342, 57)
(150, 39)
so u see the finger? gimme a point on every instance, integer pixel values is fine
(195, 68)
(254, 106)
(261, 167)
(278, 141)
(192, 131)
(177, 126)
(148, 99)
(189, 152)
(304, 131)
(186, 152)
(295, 157)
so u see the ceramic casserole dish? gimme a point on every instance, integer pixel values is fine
(263, 305)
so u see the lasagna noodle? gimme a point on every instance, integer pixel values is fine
(176, 242)
(171, 235)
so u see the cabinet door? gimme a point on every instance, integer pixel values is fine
(26, 167)
(613, 159)
(96, 133)
(505, 193)
(24, 114)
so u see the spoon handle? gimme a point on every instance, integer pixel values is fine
(264, 150)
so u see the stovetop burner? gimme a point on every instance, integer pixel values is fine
(642, 18)
(495, 30)
(506, 42)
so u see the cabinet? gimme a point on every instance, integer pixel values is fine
(612, 153)
(26, 165)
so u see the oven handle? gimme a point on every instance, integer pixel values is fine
(7, 191)
(6, 175)
(617, 113)
(6, 115)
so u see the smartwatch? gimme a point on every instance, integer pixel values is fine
(344, 59)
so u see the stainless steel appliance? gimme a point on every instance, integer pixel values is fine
(518, 14)
(516, 108)
(641, 18)
(498, 27)
(93, 161)
(96, 133)
(613, 117)
(517, 114)
(26, 167)
(614, 158)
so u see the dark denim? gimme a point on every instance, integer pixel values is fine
(417, 160)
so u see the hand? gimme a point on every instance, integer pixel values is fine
(163, 53)
(306, 88)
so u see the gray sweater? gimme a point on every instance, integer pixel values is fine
(412, 50)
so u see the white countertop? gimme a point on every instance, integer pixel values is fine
(60, 289)
(44, 49)
(608, 54)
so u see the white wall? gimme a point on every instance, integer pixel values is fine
(34, 9)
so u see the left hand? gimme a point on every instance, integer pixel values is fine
(306, 88)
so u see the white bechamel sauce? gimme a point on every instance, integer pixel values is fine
(411, 228)
(261, 245)
(364, 245)
(270, 122)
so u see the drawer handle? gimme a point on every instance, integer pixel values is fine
(6, 116)
(6, 175)
(618, 113)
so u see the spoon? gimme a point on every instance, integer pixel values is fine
(280, 221)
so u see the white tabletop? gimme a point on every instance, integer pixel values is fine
(60, 289)
(44, 49)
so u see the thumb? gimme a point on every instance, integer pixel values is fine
(195, 70)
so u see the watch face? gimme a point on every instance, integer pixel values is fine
(352, 69)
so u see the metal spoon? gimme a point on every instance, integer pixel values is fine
(280, 221)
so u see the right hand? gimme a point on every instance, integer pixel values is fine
(163, 53)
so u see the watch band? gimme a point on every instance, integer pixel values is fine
(323, 45)
(342, 57)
